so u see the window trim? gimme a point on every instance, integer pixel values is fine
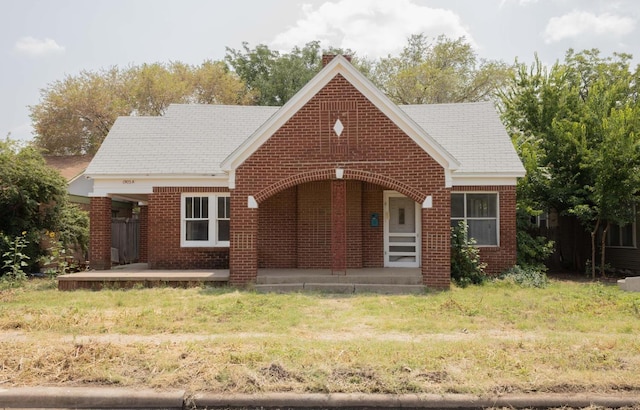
(465, 218)
(213, 220)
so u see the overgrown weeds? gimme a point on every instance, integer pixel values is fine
(477, 339)
(526, 276)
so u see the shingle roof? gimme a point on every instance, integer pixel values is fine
(472, 133)
(69, 166)
(189, 139)
(194, 139)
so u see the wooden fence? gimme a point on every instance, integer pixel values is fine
(125, 237)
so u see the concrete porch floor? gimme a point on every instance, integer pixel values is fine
(375, 280)
(139, 274)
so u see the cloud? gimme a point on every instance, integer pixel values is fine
(372, 28)
(579, 23)
(520, 2)
(36, 47)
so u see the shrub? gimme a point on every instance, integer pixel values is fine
(532, 249)
(33, 200)
(466, 267)
(526, 276)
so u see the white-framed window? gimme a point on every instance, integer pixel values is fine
(205, 219)
(621, 236)
(479, 210)
(541, 221)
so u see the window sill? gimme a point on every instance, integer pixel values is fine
(203, 246)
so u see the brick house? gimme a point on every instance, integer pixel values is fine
(338, 178)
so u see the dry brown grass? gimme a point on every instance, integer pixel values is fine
(492, 339)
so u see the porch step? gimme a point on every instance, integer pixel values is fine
(342, 288)
(391, 279)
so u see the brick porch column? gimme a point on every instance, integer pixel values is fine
(436, 243)
(339, 227)
(143, 255)
(243, 249)
(100, 233)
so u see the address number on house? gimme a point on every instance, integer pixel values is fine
(128, 181)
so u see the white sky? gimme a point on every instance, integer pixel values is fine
(41, 41)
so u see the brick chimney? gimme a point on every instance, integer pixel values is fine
(326, 58)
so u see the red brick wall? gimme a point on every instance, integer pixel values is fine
(164, 250)
(314, 225)
(277, 232)
(144, 234)
(100, 233)
(504, 256)
(371, 149)
(372, 237)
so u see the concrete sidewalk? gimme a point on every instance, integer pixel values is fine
(115, 398)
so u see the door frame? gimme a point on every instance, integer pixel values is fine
(418, 232)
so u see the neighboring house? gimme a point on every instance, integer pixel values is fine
(572, 243)
(338, 178)
(622, 251)
(72, 168)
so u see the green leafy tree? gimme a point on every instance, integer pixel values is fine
(575, 126)
(438, 71)
(272, 76)
(33, 200)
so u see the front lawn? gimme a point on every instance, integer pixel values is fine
(482, 339)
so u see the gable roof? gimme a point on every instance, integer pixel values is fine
(212, 140)
(340, 65)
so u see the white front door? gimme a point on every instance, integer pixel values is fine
(401, 231)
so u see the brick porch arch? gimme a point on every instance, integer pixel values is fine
(330, 174)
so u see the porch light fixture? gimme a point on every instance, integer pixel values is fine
(338, 127)
(251, 202)
(339, 173)
(428, 202)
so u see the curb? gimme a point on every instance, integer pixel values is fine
(407, 401)
(89, 398)
(116, 398)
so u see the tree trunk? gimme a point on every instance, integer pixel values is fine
(594, 233)
(602, 250)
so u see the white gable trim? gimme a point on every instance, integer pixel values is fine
(340, 65)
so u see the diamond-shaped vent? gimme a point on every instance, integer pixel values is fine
(338, 127)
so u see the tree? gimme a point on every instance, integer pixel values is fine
(75, 114)
(575, 126)
(272, 76)
(33, 200)
(152, 87)
(215, 84)
(438, 71)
